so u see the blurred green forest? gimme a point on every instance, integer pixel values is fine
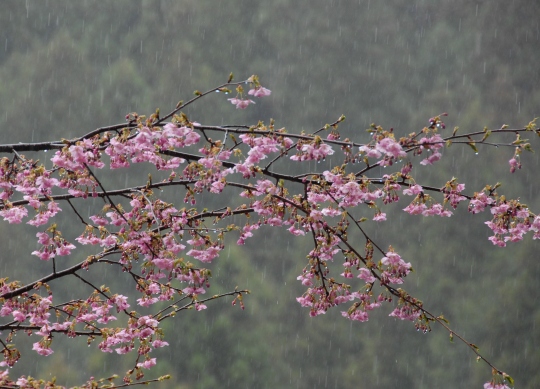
(68, 67)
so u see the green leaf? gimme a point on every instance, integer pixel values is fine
(473, 146)
(509, 379)
(532, 125)
(518, 140)
(442, 318)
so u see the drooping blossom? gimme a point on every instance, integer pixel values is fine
(493, 385)
(42, 350)
(147, 364)
(259, 92)
(241, 103)
(514, 164)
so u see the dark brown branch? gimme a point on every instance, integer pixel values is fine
(106, 194)
(118, 192)
(193, 302)
(23, 327)
(53, 276)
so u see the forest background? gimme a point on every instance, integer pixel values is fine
(69, 67)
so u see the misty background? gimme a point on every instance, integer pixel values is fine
(69, 67)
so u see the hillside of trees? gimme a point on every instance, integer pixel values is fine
(70, 67)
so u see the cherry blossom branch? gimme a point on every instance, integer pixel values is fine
(56, 275)
(117, 192)
(199, 95)
(201, 301)
(154, 232)
(16, 326)
(403, 295)
(145, 382)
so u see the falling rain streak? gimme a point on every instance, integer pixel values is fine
(71, 67)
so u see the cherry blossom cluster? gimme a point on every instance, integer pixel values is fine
(164, 247)
(315, 150)
(242, 103)
(494, 385)
(511, 221)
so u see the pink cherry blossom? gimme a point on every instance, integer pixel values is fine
(206, 255)
(497, 241)
(431, 159)
(366, 275)
(514, 164)
(159, 343)
(413, 190)
(44, 254)
(406, 312)
(41, 350)
(147, 301)
(493, 385)
(64, 249)
(241, 103)
(370, 152)
(14, 215)
(330, 212)
(379, 217)
(163, 263)
(357, 315)
(480, 202)
(433, 142)
(391, 148)
(259, 92)
(415, 208)
(311, 152)
(19, 316)
(61, 326)
(295, 231)
(147, 364)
